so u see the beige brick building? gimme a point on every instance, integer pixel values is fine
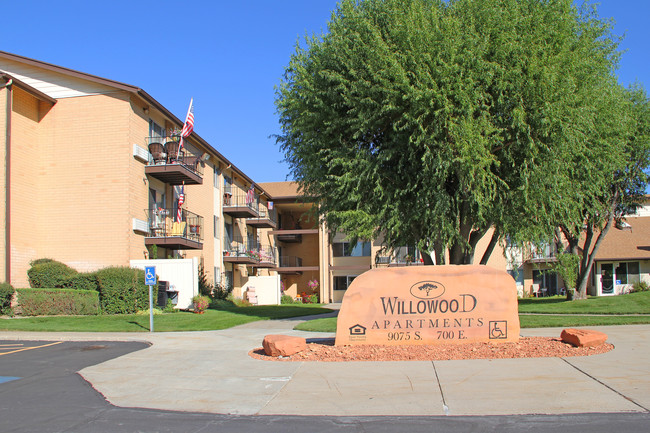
(91, 176)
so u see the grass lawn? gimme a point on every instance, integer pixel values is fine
(181, 321)
(634, 303)
(549, 309)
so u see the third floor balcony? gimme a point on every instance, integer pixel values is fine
(239, 204)
(170, 165)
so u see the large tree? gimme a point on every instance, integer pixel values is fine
(624, 121)
(429, 122)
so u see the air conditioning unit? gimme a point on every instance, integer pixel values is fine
(140, 226)
(140, 153)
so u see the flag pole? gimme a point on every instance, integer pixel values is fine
(178, 152)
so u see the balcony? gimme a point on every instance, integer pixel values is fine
(169, 165)
(292, 235)
(240, 205)
(167, 232)
(266, 257)
(239, 252)
(402, 256)
(541, 253)
(266, 220)
(293, 265)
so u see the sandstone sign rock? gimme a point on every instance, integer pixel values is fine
(429, 305)
(283, 345)
(583, 337)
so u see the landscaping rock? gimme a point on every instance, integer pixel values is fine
(583, 337)
(283, 345)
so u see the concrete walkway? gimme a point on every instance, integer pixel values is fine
(211, 371)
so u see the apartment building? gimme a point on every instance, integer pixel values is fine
(92, 177)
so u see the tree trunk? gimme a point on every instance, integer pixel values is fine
(426, 258)
(490, 247)
(581, 290)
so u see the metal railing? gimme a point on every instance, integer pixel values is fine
(267, 214)
(240, 199)
(164, 151)
(267, 254)
(542, 252)
(290, 262)
(238, 247)
(164, 222)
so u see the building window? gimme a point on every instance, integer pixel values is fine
(342, 283)
(216, 227)
(156, 131)
(228, 235)
(344, 249)
(216, 176)
(227, 185)
(217, 276)
(627, 273)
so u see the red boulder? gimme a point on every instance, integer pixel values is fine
(283, 345)
(583, 337)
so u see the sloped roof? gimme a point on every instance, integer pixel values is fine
(629, 243)
(277, 190)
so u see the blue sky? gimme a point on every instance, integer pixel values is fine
(228, 56)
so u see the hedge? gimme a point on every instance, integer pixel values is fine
(83, 281)
(122, 290)
(51, 302)
(6, 294)
(50, 274)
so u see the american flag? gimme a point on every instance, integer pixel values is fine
(188, 127)
(181, 200)
(250, 195)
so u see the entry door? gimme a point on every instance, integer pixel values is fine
(607, 278)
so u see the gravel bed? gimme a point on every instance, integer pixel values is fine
(527, 347)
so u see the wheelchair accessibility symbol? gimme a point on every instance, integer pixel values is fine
(498, 329)
(150, 275)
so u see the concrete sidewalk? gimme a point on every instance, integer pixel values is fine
(211, 371)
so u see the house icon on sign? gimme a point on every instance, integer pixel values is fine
(357, 330)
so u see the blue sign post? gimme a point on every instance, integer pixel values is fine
(150, 280)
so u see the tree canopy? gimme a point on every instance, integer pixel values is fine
(428, 122)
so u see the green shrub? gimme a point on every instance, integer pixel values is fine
(313, 299)
(122, 290)
(286, 299)
(50, 274)
(169, 307)
(51, 302)
(83, 281)
(6, 295)
(39, 261)
(219, 304)
(641, 286)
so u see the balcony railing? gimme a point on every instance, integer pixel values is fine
(239, 204)
(267, 219)
(542, 253)
(169, 165)
(166, 230)
(290, 262)
(401, 257)
(266, 257)
(240, 251)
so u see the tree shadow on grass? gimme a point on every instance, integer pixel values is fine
(296, 312)
(542, 301)
(133, 322)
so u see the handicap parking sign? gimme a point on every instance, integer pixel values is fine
(150, 275)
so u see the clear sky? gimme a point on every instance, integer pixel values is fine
(227, 55)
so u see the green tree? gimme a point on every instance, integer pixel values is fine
(626, 122)
(428, 122)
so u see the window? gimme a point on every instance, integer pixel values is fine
(216, 227)
(228, 235)
(344, 249)
(227, 185)
(627, 273)
(217, 276)
(156, 131)
(342, 283)
(216, 176)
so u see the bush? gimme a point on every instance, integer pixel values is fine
(122, 290)
(6, 295)
(50, 274)
(641, 286)
(83, 281)
(201, 303)
(286, 299)
(169, 307)
(39, 261)
(50, 302)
